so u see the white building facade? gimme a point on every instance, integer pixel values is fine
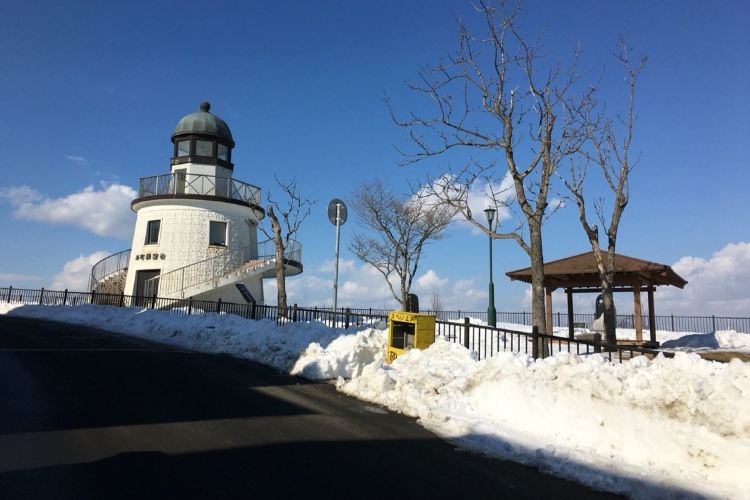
(196, 227)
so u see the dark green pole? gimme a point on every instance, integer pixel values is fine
(491, 313)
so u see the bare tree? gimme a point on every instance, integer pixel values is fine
(285, 219)
(498, 98)
(436, 303)
(612, 157)
(399, 228)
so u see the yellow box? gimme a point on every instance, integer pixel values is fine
(407, 330)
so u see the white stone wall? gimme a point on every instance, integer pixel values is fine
(203, 169)
(184, 232)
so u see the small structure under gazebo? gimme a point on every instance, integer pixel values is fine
(579, 274)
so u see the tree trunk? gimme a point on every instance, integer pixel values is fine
(538, 316)
(279, 246)
(610, 316)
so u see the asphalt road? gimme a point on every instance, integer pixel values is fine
(89, 414)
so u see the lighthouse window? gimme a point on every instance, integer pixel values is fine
(217, 233)
(152, 232)
(223, 152)
(183, 148)
(204, 148)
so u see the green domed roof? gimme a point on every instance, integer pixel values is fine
(203, 122)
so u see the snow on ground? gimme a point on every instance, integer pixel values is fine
(635, 428)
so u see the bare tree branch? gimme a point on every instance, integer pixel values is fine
(285, 218)
(398, 229)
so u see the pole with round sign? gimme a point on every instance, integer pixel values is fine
(337, 214)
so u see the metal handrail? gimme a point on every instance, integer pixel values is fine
(176, 184)
(219, 265)
(107, 266)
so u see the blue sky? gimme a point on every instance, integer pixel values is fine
(91, 91)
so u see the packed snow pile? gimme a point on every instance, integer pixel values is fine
(681, 422)
(648, 428)
(279, 346)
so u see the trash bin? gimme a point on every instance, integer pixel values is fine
(407, 330)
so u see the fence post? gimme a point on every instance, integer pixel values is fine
(534, 340)
(597, 342)
(122, 299)
(672, 322)
(65, 296)
(10, 292)
(153, 301)
(41, 296)
(713, 322)
(558, 319)
(294, 313)
(252, 311)
(93, 292)
(218, 305)
(466, 332)
(190, 306)
(346, 317)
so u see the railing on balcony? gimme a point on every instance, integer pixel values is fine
(214, 267)
(107, 266)
(179, 183)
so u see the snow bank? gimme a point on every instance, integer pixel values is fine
(636, 427)
(279, 346)
(681, 423)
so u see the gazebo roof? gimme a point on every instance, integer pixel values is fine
(580, 271)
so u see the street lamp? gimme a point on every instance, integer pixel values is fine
(491, 313)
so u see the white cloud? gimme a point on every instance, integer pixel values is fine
(479, 197)
(360, 285)
(79, 159)
(430, 280)
(104, 211)
(75, 273)
(715, 286)
(328, 266)
(18, 195)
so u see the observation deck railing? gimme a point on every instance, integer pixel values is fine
(219, 265)
(177, 184)
(107, 266)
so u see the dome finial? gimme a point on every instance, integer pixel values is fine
(205, 106)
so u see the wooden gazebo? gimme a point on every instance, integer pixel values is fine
(579, 274)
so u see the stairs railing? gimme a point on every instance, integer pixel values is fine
(107, 266)
(219, 265)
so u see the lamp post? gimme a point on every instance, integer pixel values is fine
(491, 313)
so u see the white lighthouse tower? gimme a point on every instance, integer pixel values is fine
(196, 227)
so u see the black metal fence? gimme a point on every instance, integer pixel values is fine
(485, 341)
(343, 318)
(670, 323)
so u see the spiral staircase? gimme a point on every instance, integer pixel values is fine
(208, 275)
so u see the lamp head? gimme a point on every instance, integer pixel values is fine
(490, 213)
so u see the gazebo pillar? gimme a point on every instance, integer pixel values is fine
(637, 311)
(548, 308)
(569, 293)
(651, 314)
